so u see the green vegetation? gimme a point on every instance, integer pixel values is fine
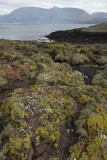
(100, 78)
(79, 58)
(50, 110)
(3, 80)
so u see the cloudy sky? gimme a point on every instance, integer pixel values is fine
(6, 6)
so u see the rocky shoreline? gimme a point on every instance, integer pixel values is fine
(94, 34)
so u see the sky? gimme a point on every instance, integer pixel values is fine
(7, 6)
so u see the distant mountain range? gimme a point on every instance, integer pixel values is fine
(34, 15)
(100, 14)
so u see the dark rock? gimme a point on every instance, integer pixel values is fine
(97, 34)
(88, 71)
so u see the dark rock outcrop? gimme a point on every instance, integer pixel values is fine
(95, 34)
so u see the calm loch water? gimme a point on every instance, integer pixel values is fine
(33, 32)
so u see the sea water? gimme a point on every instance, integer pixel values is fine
(33, 32)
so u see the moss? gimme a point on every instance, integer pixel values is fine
(62, 67)
(102, 60)
(59, 74)
(43, 58)
(53, 158)
(51, 77)
(100, 79)
(3, 80)
(105, 70)
(55, 74)
(89, 65)
(12, 140)
(91, 56)
(93, 143)
(56, 112)
(83, 99)
(60, 57)
(79, 59)
(51, 103)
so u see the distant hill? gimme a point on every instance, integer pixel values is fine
(100, 14)
(2, 17)
(34, 15)
(96, 28)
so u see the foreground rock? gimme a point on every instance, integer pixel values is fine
(95, 34)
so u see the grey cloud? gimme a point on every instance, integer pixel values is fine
(90, 6)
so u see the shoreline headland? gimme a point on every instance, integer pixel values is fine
(95, 34)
